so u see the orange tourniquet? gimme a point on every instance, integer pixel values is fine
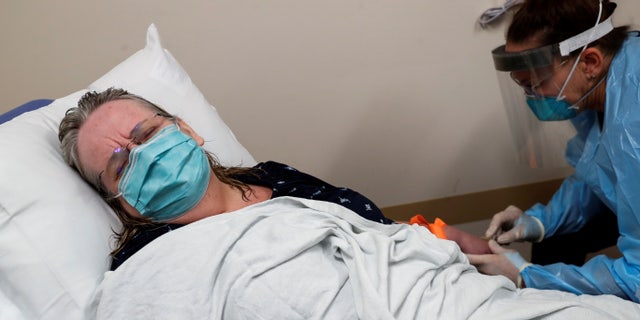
(437, 227)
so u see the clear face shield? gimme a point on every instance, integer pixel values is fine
(535, 119)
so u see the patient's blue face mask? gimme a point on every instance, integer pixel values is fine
(166, 175)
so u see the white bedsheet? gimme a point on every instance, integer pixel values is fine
(8, 310)
(298, 259)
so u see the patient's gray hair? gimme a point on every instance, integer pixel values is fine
(76, 117)
(68, 136)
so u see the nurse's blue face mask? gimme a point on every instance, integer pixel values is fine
(551, 109)
(165, 175)
(556, 108)
(545, 108)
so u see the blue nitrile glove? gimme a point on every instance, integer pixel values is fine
(513, 225)
(519, 262)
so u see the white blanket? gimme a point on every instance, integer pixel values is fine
(290, 258)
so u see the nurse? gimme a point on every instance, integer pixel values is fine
(574, 65)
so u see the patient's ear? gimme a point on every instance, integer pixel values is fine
(184, 127)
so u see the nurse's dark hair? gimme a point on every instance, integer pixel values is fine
(68, 136)
(552, 21)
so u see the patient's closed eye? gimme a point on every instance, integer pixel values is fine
(140, 134)
(121, 159)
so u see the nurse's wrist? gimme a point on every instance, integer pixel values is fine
(520, 283)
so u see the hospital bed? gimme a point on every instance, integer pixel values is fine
(56, 235)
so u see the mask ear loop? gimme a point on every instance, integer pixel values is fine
(560, 97)
(575, 105)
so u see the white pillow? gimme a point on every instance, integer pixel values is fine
(55, 232)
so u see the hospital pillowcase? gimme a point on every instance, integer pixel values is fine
(55, 232)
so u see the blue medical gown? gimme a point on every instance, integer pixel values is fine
(607, 173)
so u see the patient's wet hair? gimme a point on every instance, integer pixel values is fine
(68, 135)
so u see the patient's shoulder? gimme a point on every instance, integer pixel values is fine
(138, 242)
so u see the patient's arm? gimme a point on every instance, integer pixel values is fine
(469, 243)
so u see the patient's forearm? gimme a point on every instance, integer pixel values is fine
(469, 243)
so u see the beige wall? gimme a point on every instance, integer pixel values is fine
(396, 98)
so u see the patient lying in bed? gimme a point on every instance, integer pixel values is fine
(115, 116)
(281, 253)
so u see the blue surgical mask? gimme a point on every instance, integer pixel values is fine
(166, 176)
(551, 109)
(557, 109)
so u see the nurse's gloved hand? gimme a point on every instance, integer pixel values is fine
(513, 225)
(506, 262)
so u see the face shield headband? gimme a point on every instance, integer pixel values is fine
(543, 57)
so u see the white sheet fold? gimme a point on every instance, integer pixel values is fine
(290, 258)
